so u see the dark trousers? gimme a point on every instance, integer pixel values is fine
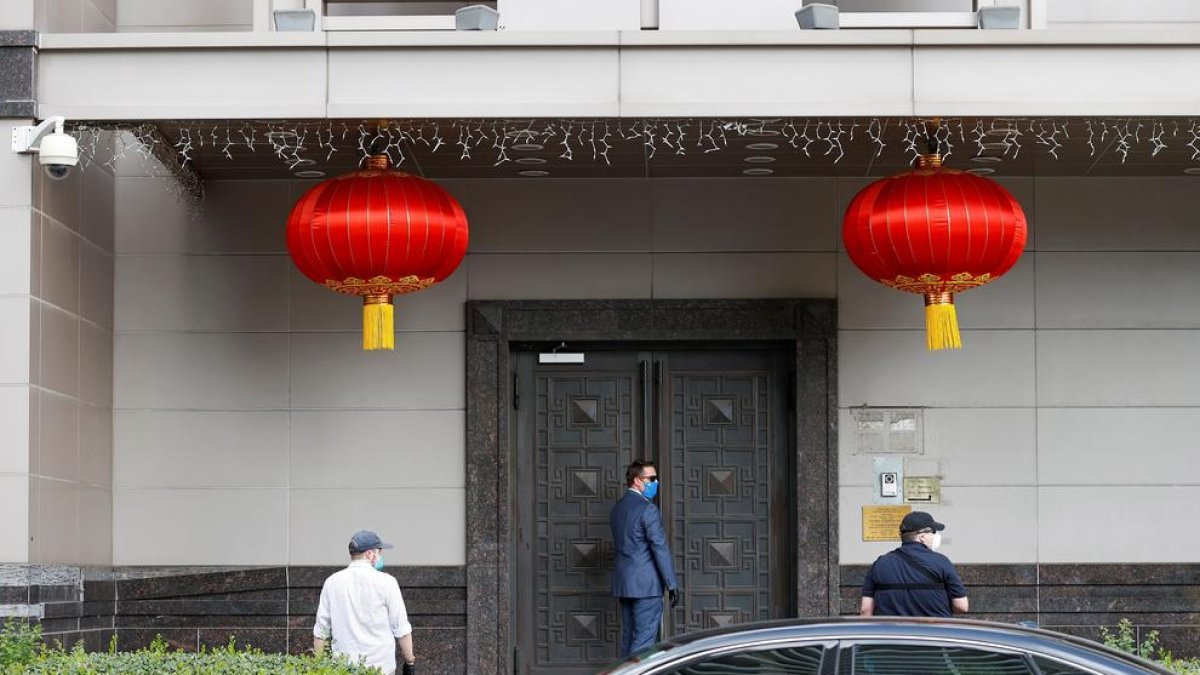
(640, 620)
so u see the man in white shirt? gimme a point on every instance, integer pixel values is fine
(363, 612)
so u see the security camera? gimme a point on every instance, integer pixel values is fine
(57, 151)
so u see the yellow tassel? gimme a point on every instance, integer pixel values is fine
(379, 329)
(941, 322)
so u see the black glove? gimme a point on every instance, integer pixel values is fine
(673, 597)
(407, 669)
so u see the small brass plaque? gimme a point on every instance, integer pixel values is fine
(923, 489)
(882, 523)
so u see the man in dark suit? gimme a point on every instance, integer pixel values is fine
(643, 561)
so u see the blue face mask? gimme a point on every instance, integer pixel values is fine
(379, 563)
(650, 490)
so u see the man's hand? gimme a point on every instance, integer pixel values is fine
(673, 597)
(407, 669)
(867, 607)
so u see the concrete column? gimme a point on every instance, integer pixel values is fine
(16, 274)
(17, 237)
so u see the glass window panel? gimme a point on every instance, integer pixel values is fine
(1052, 667)
(934, 660)
(804, 660)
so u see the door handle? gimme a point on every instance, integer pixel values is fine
(644, 417)
(656, 407)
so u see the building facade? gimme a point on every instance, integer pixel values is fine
(192, 432)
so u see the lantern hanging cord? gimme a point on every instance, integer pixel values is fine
(378, 146)
(931, 136)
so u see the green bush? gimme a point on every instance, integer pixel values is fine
(22, 653)
(1124, 638)
(19, 642)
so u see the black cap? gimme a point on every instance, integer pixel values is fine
(366, 540)
(919, 520)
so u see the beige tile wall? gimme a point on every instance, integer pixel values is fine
(207, 526)
(196, 449)
(240, 381)
(1089, 415)
(15, 502)
(15, 414)
(1122, 521)
(416, 519)
(244, 401)
(984, 524)
(71, 367)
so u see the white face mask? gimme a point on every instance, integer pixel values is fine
(936, 543)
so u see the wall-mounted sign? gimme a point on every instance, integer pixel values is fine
(923, 489)
(888, 431)
(882, 523)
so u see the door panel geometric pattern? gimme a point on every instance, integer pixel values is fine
(583, 440)
(720, 477)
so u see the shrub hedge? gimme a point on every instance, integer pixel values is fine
(22, 653)
(1125, 638)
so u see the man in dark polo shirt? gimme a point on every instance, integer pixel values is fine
(914, 580)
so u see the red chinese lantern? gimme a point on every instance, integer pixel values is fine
(937, 232)
(377, 233)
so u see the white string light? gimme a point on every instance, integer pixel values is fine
(292, 142)
(875, 131)
(1156, 138)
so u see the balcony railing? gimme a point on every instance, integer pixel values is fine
(378, 15)
(341, 15)
(172, 16)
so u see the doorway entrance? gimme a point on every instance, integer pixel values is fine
(717, 421)
(499, 331)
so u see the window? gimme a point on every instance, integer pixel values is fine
(805, 660)
(907, 659)
(1052, 667)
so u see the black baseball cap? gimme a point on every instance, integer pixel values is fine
(919, 520)
(366, 540)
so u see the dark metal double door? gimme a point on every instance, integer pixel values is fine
(716, 424)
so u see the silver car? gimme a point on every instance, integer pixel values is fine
(881, 646)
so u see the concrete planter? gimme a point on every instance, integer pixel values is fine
(818, 16)
(1006, 18)
(476, 17)
(295, 20)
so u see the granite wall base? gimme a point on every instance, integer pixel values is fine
(270, 608)
(1078, 599)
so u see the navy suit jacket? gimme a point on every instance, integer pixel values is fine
(643, 561)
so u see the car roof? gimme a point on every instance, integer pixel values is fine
(859, 629)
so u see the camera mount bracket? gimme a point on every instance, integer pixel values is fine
(26, 140)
